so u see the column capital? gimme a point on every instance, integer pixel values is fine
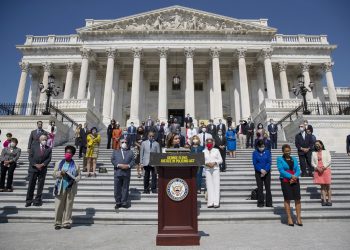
(267, 53)
(215, 52)
(24, 66)
(85, 53)
(327, 66)
(47, 66)
(282, 66)
(305, 66)
(137, 52)
(70, 66)
(163, 52)
(189, 52)
(112, 53)
(240, 53)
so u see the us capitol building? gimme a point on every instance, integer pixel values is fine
(178, 60)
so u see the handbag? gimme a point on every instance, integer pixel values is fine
(286, 179)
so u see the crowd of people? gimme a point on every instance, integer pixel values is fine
(133, 145)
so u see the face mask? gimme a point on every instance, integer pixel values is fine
(68, 156)
(286, 155)
(301, 129)
(195, 141)
(158, 123)
(261, 149)
(124, 146)
(43, 143)
(317, 147)
(204, 130)
(125, 132)
(260, 127)
(210, 146)
(219, 133)
(12, 144)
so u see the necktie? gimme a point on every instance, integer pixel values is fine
(42, 150)
(220, 138)
(203, 138)
(150, 144)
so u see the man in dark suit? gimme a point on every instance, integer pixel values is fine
(132, 134)
(160, 133)
(273, 129)
(188, 120)
(39, 159)
(182, 138)
(348, 145)
(35, 135)
(304, 144)
(308, 126)
(83, 134)
(109, 134)
(250, 133)
(221, 126)
(220, 143)
(174, 126)
(122, 160)
(211, 128)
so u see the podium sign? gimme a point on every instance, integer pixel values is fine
(177, 198)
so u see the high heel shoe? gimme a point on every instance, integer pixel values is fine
(291, 224)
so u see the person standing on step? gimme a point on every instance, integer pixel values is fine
(7, 142)
(67, 175)
(188, 121)
(109, 133)
(9, 157)
(93, 144)
(132, 133)
(262, 165)
(308, 126)
(204, 136)
(140, 137)
(273, 129)
(160, 133)
(196, 148)
(77, 135)
(147, 147)
(211, 128)
(116, 135)
(213, 160)
(122, 160)
(321, 162)
(242, 133)
(231, 141)
(304, 144)
(39, 159)
(289, 175)
(260, 131)
(229, 121)
(221, 143)
(83, 142)
(221, 126)
(348, 145)
(250, 133)
(126, 137)
(52, 130)
(190, 132)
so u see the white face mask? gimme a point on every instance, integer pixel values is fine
(204, 130)
(219, 133)
(195, 141)
(12, 144)
(301, 129)
(43, 143)
(261, 149)
(124, 146)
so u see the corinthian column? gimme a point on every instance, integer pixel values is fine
(189, 92)
(47, 71)
(270, 85)
(22, 82)
(217, 100)
(305, 66)
(69, 80)
(327, 68)
(261, 87)
(85, 53)
(243, 83)
(107, 97)
(236, 91)
(162, 96)
(282, 66)
(135, 89)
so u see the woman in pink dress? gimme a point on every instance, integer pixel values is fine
(321, 162)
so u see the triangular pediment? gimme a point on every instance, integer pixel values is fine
(176, 19)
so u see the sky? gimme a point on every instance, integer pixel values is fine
(19, 18)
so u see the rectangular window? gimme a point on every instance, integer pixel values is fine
(153, 86)
(198, 86)
(223, 86)
(128, 89)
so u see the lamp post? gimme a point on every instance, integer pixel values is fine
(302, 91)
(50, 90)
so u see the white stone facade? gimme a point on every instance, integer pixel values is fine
(123, 68)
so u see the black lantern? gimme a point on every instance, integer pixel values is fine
(302, 91)
(176, 77)
(50, 90)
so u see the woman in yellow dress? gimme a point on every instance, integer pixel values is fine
(93, 143)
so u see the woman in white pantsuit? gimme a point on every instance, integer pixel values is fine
(212, 173)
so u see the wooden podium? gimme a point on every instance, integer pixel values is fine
(177, 197)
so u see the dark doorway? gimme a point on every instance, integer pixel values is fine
(179, 114)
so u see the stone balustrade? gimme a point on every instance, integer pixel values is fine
(341, 91)
(280, 103)
(53, 39)
(299, 39)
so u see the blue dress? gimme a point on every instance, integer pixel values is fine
(231, 140)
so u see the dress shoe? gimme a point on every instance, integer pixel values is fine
(146, 192)
(324, 203)
(211, 206)
(117, 206)
(329, 204)
(124, 205)
(28, 204)
(67, 226)
(58, 227)
(260, 205)
(217, 206)
(38, 204)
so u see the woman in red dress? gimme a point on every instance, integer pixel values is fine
(321, 161)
